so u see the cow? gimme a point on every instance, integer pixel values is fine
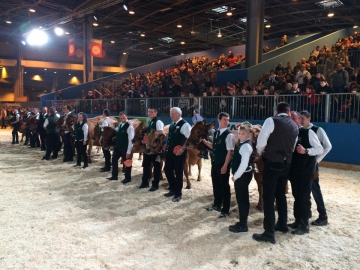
(22, 127)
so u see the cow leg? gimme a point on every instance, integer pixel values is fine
(287, 187)
(186, 172)
(22, 137)
(161, 170)
(140, 156)
(258, 179)
(89, 150)
(199, 163)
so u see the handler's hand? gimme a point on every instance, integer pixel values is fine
(233, 179)
(128, 156)
(84, 143)
(300, 149)
(223, 170)
(179, 152)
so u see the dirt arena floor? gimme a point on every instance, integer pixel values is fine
(54, 216)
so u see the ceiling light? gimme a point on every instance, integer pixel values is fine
(355, 26)
(219, 34)
(182, 42)
(59, 31)
(8, 21)
(131, 11)
(25, 72)
(124, 53)
(331, 14)
(112, 41)
(32, 10)
(229, 12)
(182, 53)
(69, 74)
(151, 48)
(23, 42)
(45, 68)
(95, 24)
(142, 34)
(55, 72)
(95, 17)
(40, 27)
(268, 25)
(192, 32)
(37, 37)
(179, 25)
(67, 33)
(126, 5)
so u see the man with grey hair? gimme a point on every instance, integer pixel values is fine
(179, 132)
(197, 117)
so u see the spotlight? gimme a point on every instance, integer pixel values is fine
(67, 33)
(112, 41)
(179, 25)
(124, 53)
(229, 12)
(95, 18)
(268, 25)
(95, 24)
(151, 48)
(45, 68)
(142, 34)
(182, 53)
(32, 10)
(182, 42)
(8, 22)
(37, 37)
(59, 31)
(69, 74)
(55, 72)
(131, 11)
(331, 14)
(355, 26)
(126, 5)
(219, 34)
(23, 42)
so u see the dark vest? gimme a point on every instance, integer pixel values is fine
(303, 164)
(51, 127)
(280, 144)
(79, 133)
(151, 125)
(42, 118)
(14, 119)
(315, 129)
(122, 137)
(175, 137)
(236, 159)
(219, 148)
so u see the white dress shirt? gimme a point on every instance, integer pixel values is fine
(197, 118)
(104, 123)
(46, 123)
(131, 133)
(324, 140)
(265, 132)
(185, 129)
(230, 139)
(245, 151)
(317, 148)
(37, 116)
(159, 125)
(85, 129)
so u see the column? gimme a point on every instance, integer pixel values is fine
(19, 75)
(88, 60)
(254, 32)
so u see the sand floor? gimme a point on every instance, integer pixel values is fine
(54, 216)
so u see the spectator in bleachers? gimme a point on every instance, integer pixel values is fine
(339, 79)
(303, 77)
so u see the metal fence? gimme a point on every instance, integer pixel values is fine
(323, 108)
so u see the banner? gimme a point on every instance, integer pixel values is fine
(71, 46)
(96, 48)
(79, 52)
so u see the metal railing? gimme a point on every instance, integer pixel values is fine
(323, 108)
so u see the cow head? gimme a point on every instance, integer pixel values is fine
(199, 131)
(32, 123)
(140, 132)
(70, 121)
(108, 135)
(154, 143)
(59, 123)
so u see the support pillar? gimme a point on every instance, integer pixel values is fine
(254, 32)
(88, 60)
(54, 84)
(19, 76)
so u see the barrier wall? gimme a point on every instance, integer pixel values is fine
(344, 138)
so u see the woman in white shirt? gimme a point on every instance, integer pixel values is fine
(81, 136)
(242, 175)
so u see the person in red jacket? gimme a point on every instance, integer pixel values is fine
(311, 101)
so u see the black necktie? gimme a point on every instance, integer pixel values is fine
(217, 133)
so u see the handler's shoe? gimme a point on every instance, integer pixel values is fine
(143, 185)
(293, 225)
(321, 221)
(280, 228)
(238, 228)
(301, 230)
(214, 208)
(264, 237)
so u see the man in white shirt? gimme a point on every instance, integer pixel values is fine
(223, 146)
(301, 174)
(275, 144)
(197, 117)
(67, 138)
(179, 132)
(123, 148)
(107, 154)
(315, 189)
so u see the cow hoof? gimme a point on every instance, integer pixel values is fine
(260, 208)
(188, 187)
(199, 179)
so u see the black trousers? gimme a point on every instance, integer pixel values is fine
(34, 140)
(242, 196)
(51, 145)
(301, 186)
(27, 135)
(275, 176)
(318, 197)
(221, 188)
(107, 156)
(3, 123)
(120, 152)
(15, 134)
(68, 147)
(81, 152)
(174, 171)
(147, 161)
(42, 134)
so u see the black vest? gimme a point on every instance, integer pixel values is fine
(122, 137)
(303, 164)
(14, 119)
(236, 159)
(175, 137)
(280, 144)
(151, 125)
(79, 133)
(219, 148)
(51, 127)
(315, 129)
